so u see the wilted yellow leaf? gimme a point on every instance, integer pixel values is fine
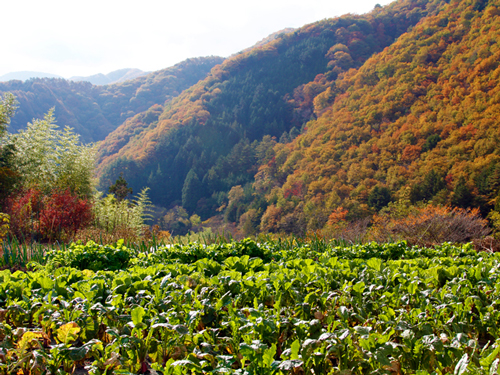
(28, 339)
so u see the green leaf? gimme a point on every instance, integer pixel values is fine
(137, 314)
(359, 287)
(295, 349)
(413, 287)
(165, 281)
(78, 354)
(182, 329)
(247, 350)
(192, 316)
(383, 353)
(343, 312)
(375, 263)
(486, 362)
(268, 356)
(363, 331)
(46, 283)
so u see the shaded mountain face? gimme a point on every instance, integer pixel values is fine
(95, 111)
(116, 76)
(214, 135)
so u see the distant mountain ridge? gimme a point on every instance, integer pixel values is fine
(24, 75)
(116, 76)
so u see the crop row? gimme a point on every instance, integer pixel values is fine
(289, 311)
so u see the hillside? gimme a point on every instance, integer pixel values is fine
(116, 76)
(418, 121)
(95, 111)
(215, 134)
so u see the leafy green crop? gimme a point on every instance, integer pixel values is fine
(92, 256)
(296, 310)
(194, 251)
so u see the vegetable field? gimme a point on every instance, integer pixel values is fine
(248, 308)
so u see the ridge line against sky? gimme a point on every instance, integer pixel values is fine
(86, 38)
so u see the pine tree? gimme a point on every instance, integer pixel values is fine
(432, 184)
(462, 196)
(120, 188)
(379, 197)
(191, 191)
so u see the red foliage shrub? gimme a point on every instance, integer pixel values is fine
(63, 213)
(52, 217)
(23, 209)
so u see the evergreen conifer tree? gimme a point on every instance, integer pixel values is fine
(462, 195)
(191, 191)
(120, 188)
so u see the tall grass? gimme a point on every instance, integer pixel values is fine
(16, 253)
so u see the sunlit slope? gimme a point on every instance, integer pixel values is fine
(420, 119)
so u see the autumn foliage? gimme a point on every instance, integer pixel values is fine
(55, 216)
(420, 115)
(271, 90)
(330, 124)
(63, 213)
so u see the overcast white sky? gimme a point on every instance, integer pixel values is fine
(71, 38)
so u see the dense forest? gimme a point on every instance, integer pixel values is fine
(418, 121)
(95, 111)
(214, 135)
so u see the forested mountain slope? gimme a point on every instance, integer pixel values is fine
(95, 111)
(419, 120)
(215, 134)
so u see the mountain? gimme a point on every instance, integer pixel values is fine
(95, 111)
(24, 75)
(110, 78)
(417, 121)
(345, 117)
(214, 135)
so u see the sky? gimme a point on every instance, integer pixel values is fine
(82, 38)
